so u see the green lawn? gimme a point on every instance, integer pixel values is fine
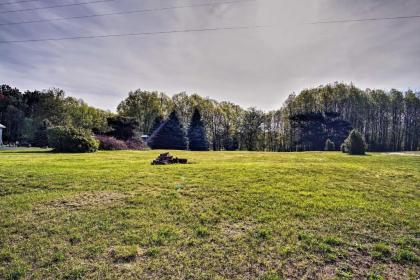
(228, 215)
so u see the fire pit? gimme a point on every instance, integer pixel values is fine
(166, 158)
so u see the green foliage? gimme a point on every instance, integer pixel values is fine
(333, 241)
(343, 148)
(75, 273)
(124, 253)
(13, 271)
(41, 137)
(145, 107)
(58, 257)
(344, 274)
(123, 128)
(152, 252)
(71, 140)
(24, 114)
(201, 231)
(170, 135)
(375, 276)
(262, 233)
(329, 145)
(381, 251)
(355, 143)
(196, 134)
(389, 120)
(406, 256)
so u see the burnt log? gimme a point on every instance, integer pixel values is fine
(166, 158)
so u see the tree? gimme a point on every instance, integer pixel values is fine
(388, 120)
(170, 135)
(251, 128)
(156, 123)
(123, 128)
(41, 135)
(145, 106)
(196, 133)
(311, 132)
(355, 144)
(329, 145)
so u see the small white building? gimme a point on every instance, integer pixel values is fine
(1, 133)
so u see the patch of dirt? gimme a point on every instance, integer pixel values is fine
(359, 265)
(87, 199)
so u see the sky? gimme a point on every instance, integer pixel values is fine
(256, 67)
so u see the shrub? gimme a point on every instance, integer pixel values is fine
(135, 144)
(343, 148)
(329, 145)
(109, 143)
(71, 140)
(355, 144)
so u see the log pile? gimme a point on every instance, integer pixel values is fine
(166, 158)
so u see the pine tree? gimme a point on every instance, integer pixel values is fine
(355, 144)
(169, 135)
(156, 124)
(196, 133)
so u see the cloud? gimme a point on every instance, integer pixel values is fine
(258, 67)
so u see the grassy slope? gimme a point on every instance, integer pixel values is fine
(226, 216)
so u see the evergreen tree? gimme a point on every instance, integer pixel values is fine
(355, 144)
(170, 135)
(197, 134)
(329, 145)
(156, 124)
(343, 148)
(123, 128)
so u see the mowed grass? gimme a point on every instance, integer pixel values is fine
(227, 215)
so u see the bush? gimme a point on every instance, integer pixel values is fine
(109, 143)
(329, 145)
(71, 140)
(355, 144)
(136, 144)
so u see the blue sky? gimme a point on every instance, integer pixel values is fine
(259, 67)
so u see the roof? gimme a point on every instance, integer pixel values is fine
(2, 126)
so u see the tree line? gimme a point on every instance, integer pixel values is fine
(388, 120)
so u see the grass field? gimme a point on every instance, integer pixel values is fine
(228, 215)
